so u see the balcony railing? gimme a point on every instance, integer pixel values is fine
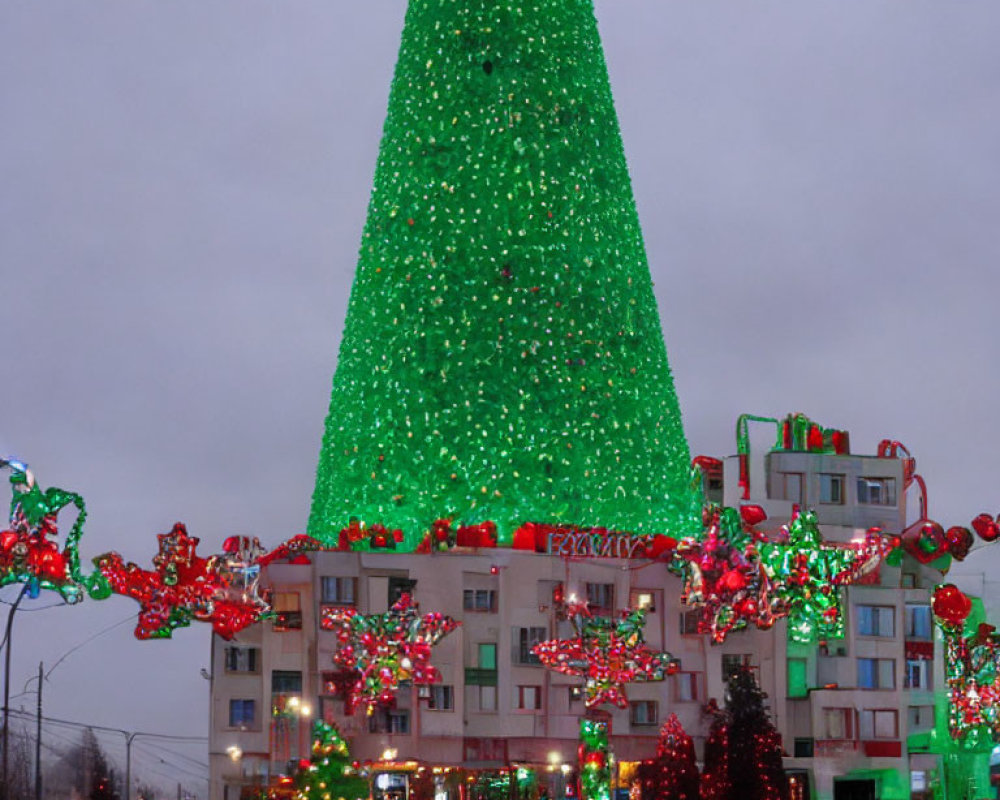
(475, 676)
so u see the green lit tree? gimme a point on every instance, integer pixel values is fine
(502, 357)
(330, 775)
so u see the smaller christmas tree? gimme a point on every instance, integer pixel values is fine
(674, 773)
(715, 783)
(743, 752)
(330, 774)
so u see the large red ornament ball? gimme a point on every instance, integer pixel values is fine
(986, 527)
(950, 605)
(959, 541)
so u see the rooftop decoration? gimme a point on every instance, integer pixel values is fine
(502, 358)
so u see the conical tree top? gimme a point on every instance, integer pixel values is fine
(502, 357)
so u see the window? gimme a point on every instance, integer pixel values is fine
(919, 718)
(339, 591)
(798, 683)
(644, 712)
(838, 723)
(487, 698)
(483, 600)
(398, 587)
(908, 580)
(686, 687)
(876, 673)
(601, 597)
(286, 681)
(287, 610)
(242, 713)
(877, 491)
(831, 488)
(877, 621)
(575, 695)
(524, 640)
(918, 674)
(879, 723)
(242, 659)
(732, 662)
(389, 721)
(790, 487)
(803, 748)
(487, 655)
(646, 600)
(918, 621)
(689, 622)
(442, 698)
(528, 698)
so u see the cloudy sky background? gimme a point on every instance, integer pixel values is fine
(183, 187)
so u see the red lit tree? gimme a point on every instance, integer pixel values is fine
(743, 752)
(673, 775)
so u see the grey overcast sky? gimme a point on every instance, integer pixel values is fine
(183, 186)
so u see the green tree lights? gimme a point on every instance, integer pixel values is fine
(502, 356)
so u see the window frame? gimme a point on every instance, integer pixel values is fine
(848, 724)
(879, 613)
(830, 480)
(243, 723)
(651, 720)
(524, 640)
(474, 606)
(887, 487)
(336, 597)
(252, 655)
(596, 593)
(873, 713)
(877, 673)
(694, 680)
(441, 697)
(525, 690)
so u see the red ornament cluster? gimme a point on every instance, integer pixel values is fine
(383, 650)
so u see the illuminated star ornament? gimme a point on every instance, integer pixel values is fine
(738, 576)
(972, 668)
(609, 653)
(28, 552)
(385, 649)
(183, 586)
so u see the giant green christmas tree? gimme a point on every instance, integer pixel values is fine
(502, 357)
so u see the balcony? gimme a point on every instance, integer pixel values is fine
(883, 748)
(475, 676)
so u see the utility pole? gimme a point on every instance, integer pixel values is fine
(38, 737)
(6, 691)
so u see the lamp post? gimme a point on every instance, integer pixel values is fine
(6, 688)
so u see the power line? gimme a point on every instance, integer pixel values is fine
(168, 736)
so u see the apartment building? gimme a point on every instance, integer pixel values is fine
(845, 707)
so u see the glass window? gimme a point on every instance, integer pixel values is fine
(831, 488)
(919, 718)
(288, 612)
(601, 596)
(242, 713)
(483, 600)
(528, 697)
(487, 698)
(689, 622)
(398, 587)
(644, 712)
(644, 599)
(918, 674)
(575, 694)
(791, 486)
(686, 687)
(918, 621)
(286, 681)
(442, 698)
(242, 659)
(876, 673)
(877, 621)
(487, 655)
(339, 591)
(879, 723)
(732, 662)
(877, 491)
(837, 723)
(524, 640)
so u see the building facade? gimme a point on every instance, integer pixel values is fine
(845, 708)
